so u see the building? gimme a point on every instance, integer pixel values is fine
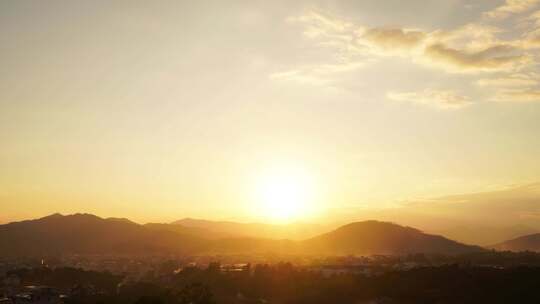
(38, 295)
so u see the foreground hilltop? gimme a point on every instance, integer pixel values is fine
(89, 234)
(374, 237)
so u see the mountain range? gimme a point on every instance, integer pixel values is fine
(529, 242)
(85, 233)
(89, 234)
(293, 231)
(383, 238)
(484, 235)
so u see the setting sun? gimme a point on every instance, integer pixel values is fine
(284, 194)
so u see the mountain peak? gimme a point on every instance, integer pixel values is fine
(374, 224)
(52, 216)
(73, 218)
(375, 237)
(377, 227)
(120, 220)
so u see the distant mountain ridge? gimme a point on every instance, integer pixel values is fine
(294, 231)
(486, 235)
(529, 242)
(89, 234)
(197, 232)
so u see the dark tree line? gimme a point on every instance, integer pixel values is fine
(284, 283)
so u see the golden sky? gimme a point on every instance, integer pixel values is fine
(158, 110)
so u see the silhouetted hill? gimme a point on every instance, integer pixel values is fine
(294, 231)
(373, 237)
(529, 242)
(189, 231)
(89, 234)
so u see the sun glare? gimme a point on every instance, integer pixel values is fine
(284, 194)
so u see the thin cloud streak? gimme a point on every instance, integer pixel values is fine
(511, 7)
(440, 99)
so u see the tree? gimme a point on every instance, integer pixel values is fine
(149, 300)
(196, 293)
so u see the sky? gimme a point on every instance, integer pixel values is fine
(159, 110)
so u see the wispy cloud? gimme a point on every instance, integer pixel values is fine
(391, 40)
(317, 74)
(441, 99)
(496, 58)
(513, 80)
(517, 95)
(492, 58)
(511, 7)
(470, 48)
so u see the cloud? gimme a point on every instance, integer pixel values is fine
(471, 36)
(328, 29)
(532, 40)
(506, 212)
(493, 58)
(511, 7)
(394, 39)
(323, 23)
(504, 204)
(441, 99)
(513, 80)
(334, 34)
(479, 49)
(320, 75)
(301, 76)
(525, 95)
(531, 36)
(470, 48)
(499, 209)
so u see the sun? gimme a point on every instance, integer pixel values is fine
(284, 194)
